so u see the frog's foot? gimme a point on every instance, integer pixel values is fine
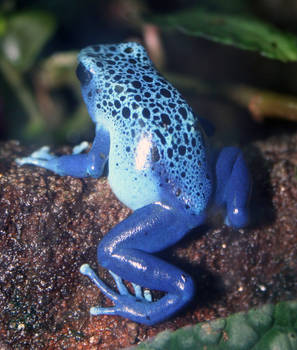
(44, 159)
(139, 307)
(38, 157)
(233, 186)
(41, 156)
(121, 300)
(75, 164)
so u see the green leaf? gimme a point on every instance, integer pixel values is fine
(243, 32)
(2, 25)
(267, 328)
(230, 6)
(24, 37)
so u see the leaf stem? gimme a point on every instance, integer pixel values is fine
(260, 103)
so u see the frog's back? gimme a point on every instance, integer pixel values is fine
(185, 163)
(155, 137)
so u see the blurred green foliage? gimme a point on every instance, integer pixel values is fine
(23, 37)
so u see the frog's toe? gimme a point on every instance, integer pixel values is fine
(146, 295)
(43, 153)
(80, 148)
(38, 157)
(86, 270)
(31, 160)
(120, 284)
(21, 161)
(137, 291)
(96, 311)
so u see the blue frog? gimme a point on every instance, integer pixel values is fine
(159, 165)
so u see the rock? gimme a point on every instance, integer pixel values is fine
(50, 225)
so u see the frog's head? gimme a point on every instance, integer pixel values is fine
(105, 73)
(89, 74)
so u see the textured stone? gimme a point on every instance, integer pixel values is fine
(50, 225)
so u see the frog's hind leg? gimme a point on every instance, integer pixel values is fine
(127, 251)
(233, 186)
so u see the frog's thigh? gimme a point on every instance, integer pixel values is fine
(126, 249)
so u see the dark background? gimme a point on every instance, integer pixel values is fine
(81, 23)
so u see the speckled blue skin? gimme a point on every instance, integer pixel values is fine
(159, 166)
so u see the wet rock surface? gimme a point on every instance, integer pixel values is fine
(50, 225)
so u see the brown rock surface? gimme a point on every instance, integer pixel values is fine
(50, 225)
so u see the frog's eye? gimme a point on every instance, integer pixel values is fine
(84, 76)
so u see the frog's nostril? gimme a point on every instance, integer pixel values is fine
(83, 74)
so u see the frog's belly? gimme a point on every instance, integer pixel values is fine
(132, 187)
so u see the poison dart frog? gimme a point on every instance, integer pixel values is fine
(160, 165)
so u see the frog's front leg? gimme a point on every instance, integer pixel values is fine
(76, 164)
(233, 186)
(127, 251)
